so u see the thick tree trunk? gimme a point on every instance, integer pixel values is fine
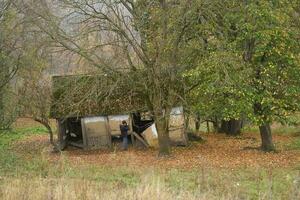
(48, 127)
(231, 127)
(234, 127)
(265, 130)
(266, 138)
(224, 126)
(163, 136)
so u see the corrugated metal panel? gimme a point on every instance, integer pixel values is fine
(176, 126)
(96, 132)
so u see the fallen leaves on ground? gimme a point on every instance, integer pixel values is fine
(218, 151)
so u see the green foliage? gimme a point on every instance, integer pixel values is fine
(9, 160)
(8, 108)
(222, 86)
(273, 56)
(120, 175)
(9, 136)
(255, 61)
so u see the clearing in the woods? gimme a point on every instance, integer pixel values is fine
(218, 166)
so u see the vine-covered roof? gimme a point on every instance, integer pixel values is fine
(89, 95)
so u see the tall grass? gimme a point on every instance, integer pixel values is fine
(41, 179)
(152, 184)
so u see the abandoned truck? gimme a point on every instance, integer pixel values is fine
(90, 108)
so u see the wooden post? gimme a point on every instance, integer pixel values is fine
(108, 132)
(140, 139)
(61, 127)
(132, 139)
(84, 136)
(131, 134)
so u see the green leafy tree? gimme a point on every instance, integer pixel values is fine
(221, 93)
(220, 79)
(262, 38)
(10, 57)
(270, 48)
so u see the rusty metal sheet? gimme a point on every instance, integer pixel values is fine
(96, 133)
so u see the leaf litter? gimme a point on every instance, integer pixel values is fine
(218, 151)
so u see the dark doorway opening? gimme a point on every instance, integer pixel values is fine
(74, 132)
(140, 122)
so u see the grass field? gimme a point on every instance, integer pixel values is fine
(219, 168)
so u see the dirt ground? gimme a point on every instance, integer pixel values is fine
(217, 151)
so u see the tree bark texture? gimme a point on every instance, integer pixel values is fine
(162, 127)
(46, 124)
(216, 125)
(266, 138)
(265, 130)
(197, 122)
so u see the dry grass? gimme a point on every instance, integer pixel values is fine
(151, 186)
(85, 189)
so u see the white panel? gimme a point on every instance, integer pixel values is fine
(154, 131)
(177, 110)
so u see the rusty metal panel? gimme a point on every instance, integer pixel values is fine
(176, 126)
(96, 132)
(177, 132)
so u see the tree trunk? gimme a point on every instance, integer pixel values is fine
(163, 135)
(197, 122)
(50, 134)
(216, 125)
(224, 126)
(265, 130)
(234, 127)
(207, 126)
(266, 138)
(1, 109)
(231, 127)
(186, 121)
(46, 124)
